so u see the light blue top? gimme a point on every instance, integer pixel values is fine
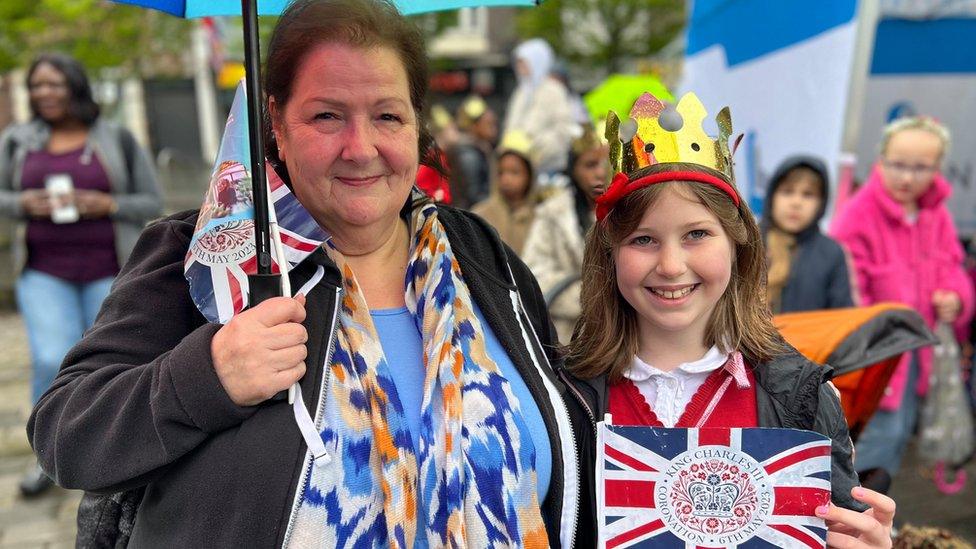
(403, 347)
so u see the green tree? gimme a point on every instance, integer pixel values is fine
(604, 33)
(99, 33)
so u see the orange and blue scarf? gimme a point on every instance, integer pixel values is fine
(472, 480)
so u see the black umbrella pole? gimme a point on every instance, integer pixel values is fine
(263, 285)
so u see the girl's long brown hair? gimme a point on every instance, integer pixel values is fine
(605, 340)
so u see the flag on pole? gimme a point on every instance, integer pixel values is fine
(222, 251)
(701, 488)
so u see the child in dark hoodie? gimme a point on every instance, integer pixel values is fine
(807, 269)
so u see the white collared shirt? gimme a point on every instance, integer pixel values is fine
(668, 393)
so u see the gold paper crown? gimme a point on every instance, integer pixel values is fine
(653, 144)
(589, 140)
(470, 111)
(518, 142)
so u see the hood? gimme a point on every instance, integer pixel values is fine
(933, 198)
(538, 55)
(811, 162)
(518, 144)
(477, 246)
(32, 135)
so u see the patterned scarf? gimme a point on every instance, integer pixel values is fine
(472, 480)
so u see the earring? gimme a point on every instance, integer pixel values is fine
(277, 144)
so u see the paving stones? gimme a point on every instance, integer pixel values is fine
(47, 521)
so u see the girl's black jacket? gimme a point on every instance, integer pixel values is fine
(791, 392)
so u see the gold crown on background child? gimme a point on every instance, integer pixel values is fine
(652, 144)
(518, 142)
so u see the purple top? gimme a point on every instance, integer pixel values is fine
(83, 251)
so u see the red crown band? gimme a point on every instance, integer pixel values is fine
(621, 186)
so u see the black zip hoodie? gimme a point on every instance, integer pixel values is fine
(138, 405)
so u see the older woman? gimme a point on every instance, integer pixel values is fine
(421, 344)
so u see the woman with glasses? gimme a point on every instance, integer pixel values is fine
(904, 247)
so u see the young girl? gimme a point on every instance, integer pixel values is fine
(510, 208)
(904, 248)
(675, 331)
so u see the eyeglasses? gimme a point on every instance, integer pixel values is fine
(915, 172)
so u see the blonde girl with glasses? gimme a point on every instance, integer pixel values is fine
(904, 248)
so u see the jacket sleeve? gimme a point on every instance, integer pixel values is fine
(831, 422)
(144, 200)
(538, 253)
(839, 286)
(952, 275)
(139, 391)
(9, 198)
(541, 255)
(858, 245)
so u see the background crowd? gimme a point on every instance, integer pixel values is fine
(533, 172)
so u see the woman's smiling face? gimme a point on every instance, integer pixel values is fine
(348, 135)
(49, 93)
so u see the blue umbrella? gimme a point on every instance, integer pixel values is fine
(210, 8)
(265, 284)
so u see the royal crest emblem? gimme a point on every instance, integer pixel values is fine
(222, 253)
(712, 492)
(745, 488)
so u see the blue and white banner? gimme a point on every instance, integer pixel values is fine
(784, 68)
(924, 63)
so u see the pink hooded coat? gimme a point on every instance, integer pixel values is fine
(904, 262)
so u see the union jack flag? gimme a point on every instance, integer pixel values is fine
(222, 251)
(704, 488)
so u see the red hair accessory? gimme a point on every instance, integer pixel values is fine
(621, 186)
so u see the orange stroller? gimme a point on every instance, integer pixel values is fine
(862, 344)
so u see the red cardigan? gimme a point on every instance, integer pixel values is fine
(723, 401)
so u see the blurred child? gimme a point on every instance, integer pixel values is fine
(511, 206)
(904, 248)
(807, 269)
(675, 331)
(473, 156)
(554, 246)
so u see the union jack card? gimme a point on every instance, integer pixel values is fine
(222, 252)
(705, 488)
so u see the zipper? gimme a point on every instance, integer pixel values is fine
(575, 463)
(319, 418)
(579, 398)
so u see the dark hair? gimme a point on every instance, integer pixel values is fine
(306, 24)
(583, 144)
(82, 105)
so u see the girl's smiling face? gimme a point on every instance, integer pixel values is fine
(675, 266)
